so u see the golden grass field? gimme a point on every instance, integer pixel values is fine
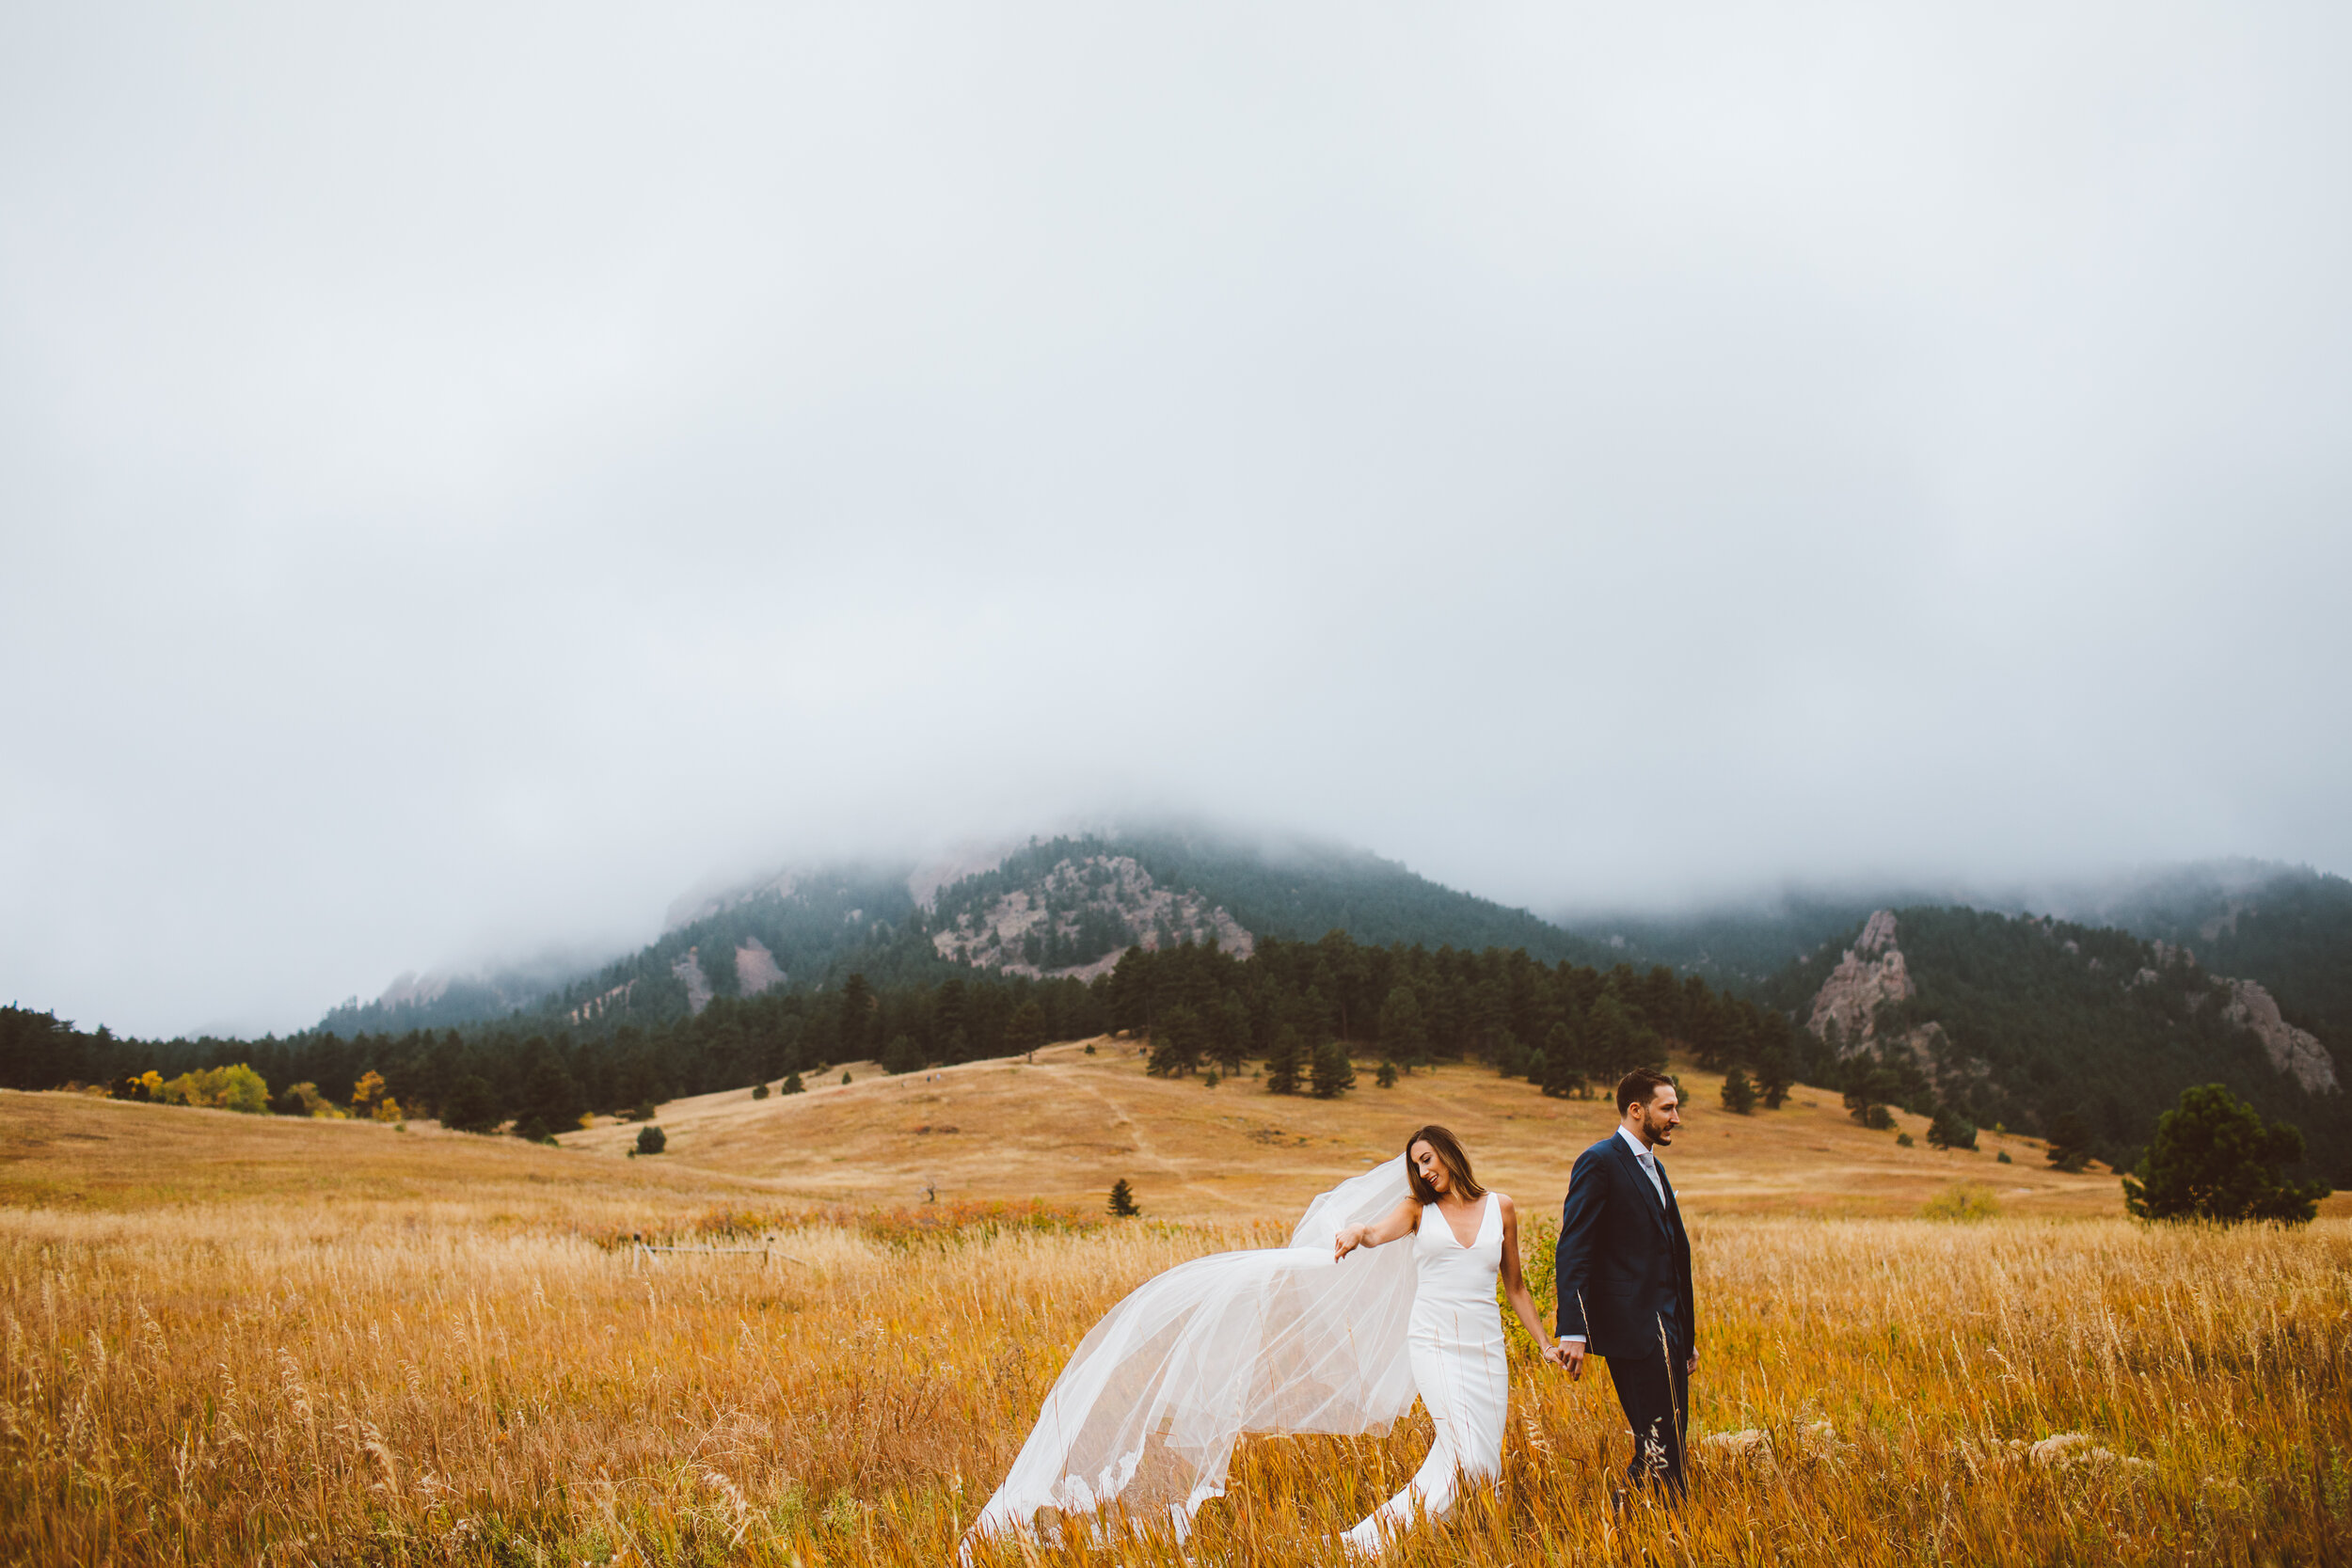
(247, 1339)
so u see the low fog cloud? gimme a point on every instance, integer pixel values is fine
(468, 472)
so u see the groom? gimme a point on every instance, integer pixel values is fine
(1624, 1269)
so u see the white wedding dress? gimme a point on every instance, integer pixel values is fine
(1144, 1417)
(1459, 1365)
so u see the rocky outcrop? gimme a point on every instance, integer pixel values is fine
(688, 968)
(1078, 902)
(2293, 1050)
(604, 1002)
(755, 968)
(1870, 973)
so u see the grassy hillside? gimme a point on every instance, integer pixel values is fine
(1067, 1127)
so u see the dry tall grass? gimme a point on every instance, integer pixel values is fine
(319, 1377)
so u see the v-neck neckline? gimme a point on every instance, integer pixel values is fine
(1447, 1221)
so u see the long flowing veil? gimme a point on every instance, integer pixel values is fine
(1279, 1340)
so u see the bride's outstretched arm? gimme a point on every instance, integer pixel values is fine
(1398, 1220)
(1515, 1284)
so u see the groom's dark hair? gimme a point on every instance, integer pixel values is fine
(1636, 1087)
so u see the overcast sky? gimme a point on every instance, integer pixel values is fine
(467, 473)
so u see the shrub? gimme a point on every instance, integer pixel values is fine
(2000, 1157)
(2215, 1158)
(1866, 1108)
(760, 1091)
(1902, 1140)
(643, 1111)
(220, 1088)
(1950, 1129)
(651, 1140)
(304, 1100)
(2070, 1141)
(792, 1085)
(1386, 1077)
(1965, 1201)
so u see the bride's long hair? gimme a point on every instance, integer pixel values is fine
(1448, 1149)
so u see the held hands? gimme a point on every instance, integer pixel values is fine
(1568, 1353)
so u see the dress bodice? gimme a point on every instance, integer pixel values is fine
(1452, 1275)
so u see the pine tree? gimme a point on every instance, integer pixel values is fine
(1404, 1034)
(1232, 1040)
(1611, 1049)
(1950, 1129)
(1175, 1043)
(858, 1011)
(1124, 1203)
(1026, 1030)
(1563, 1057)
(2215, 1158)
(1334, 1074)
(1738, 1094)
(1285, 1062)
(792, 1085)
(470, 1105)
(1387, 1077)
(2070, 1141)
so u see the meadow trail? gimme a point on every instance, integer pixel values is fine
(240, 1339)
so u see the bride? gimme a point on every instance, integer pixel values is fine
(1334, 1333)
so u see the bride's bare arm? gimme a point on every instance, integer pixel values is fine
(1515, 1283)
(1398, 1220)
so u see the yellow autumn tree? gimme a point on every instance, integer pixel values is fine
(223, 1088)
(368, 1098)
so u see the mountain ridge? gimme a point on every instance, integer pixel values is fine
(2014, 1020)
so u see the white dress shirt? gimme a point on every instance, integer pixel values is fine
(1649, 1168)
(1649, 1164)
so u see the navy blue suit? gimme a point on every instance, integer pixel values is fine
(1624, 1270)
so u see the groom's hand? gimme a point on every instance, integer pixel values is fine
(1571, 1353)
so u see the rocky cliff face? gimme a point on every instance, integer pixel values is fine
(1078, 917)
(2293, 1050)
(1872, 973)
(755, 970)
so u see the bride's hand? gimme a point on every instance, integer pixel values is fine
(1346, 1241)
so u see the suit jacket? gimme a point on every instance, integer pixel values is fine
(1624, 1259)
